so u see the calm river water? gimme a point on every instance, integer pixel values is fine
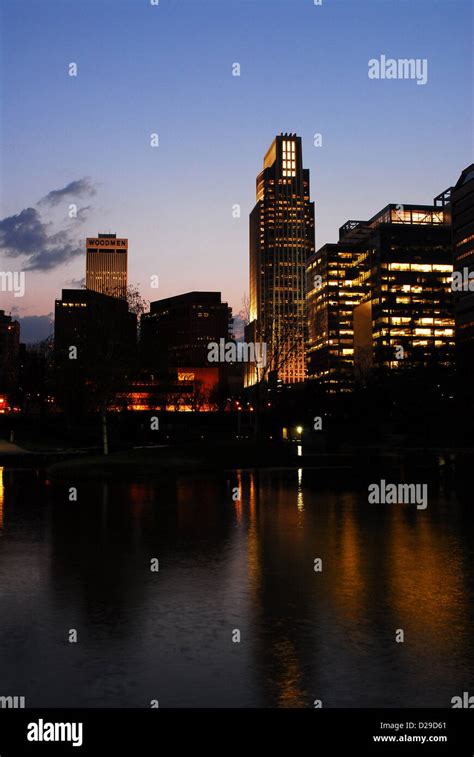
(227, 566)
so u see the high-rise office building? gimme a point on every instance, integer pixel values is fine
(381, 297)
(462, 211)
(281, 241)
(404, 318)
(330, 303)
(106, 264)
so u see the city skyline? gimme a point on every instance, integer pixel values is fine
(208, 170)
(381, 300)
(117, 271)
(89, 274)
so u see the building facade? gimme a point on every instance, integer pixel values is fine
(330, 302)
(175, 337)
(462, 212)
(380, 299)
(402, 281)
(281, 241)
(177, 330)
(106, 265)
(95, 346)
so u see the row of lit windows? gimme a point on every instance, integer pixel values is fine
(465, 240)
(409, 216)
(420, 332)
(425, 321)
(468, 254)
(416, 288)
(419, 267)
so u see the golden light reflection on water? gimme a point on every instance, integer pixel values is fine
(352, 582)
(426, 582)
(289, 689)
(253, 554)
(269, 520)
(300, 499)
(238, 502)
(390, 567)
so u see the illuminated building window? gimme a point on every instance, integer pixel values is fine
(399, 266)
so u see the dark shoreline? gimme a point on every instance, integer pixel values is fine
(221, 456)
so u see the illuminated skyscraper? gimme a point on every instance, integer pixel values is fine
(106, 265)
(281, 241)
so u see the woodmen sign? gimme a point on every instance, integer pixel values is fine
(104, 243)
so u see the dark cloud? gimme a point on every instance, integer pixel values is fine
(79, 188)
(23, 234)
(27, 236)
(47, 259)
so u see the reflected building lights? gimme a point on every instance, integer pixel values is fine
(238, 502)
(300, 499)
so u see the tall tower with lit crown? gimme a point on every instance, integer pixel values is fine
(281, 241)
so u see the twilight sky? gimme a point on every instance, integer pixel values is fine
(167, 69)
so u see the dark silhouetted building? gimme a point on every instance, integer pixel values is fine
(281, 241)
(9, 358)
(177, 330)
(82, 317)
(175, 336)
(462, 211)
(95, 344)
